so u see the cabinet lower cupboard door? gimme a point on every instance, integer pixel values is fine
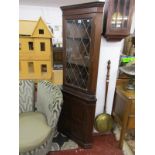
(82, 28)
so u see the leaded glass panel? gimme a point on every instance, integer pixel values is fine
(78, 40)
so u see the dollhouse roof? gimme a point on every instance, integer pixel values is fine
(26, 27)
(29, 28)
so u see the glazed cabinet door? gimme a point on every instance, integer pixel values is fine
(77, 52)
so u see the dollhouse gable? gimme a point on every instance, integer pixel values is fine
(41, 30)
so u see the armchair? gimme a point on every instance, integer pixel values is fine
(37, 127)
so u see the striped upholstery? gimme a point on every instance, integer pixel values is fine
(49, 101)
(26, 96)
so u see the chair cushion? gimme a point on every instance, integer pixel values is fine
(33, 130)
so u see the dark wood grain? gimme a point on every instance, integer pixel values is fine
(107, 84)
(78, 111)
(98, 5)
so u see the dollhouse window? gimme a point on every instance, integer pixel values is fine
(41, 31)
(42, 46)
(43, 68)
(30, 45)
(31, 67)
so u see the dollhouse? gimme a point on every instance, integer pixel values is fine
(35, 50)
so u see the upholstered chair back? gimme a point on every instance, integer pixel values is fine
(49, 101)
(38, 127)
(26, 95)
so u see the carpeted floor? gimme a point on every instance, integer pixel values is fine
(62, 145)
(61, 142)
(130, 139)
(102, 145)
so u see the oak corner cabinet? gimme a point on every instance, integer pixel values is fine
(82, 28)
(117, 18)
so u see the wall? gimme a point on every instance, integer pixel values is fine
(108, 50)
(51, 15)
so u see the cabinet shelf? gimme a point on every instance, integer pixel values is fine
(80, 62)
